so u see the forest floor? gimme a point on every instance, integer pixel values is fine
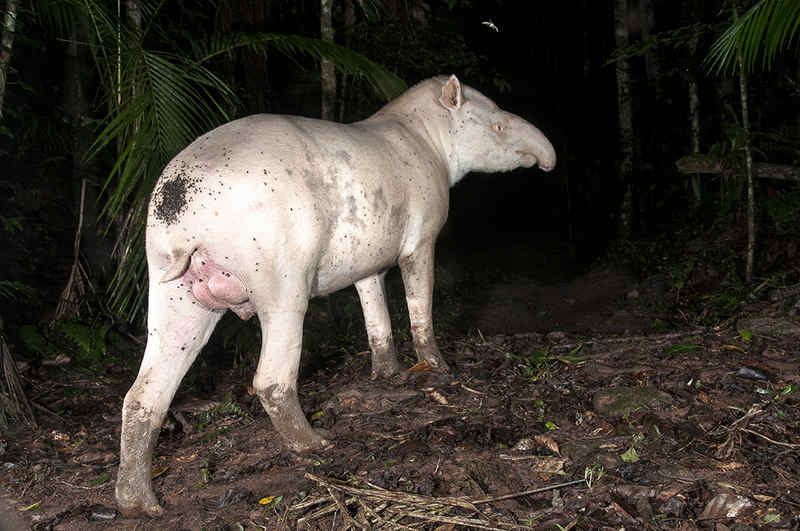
(589, 404)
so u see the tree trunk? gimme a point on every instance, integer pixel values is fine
(694, 121)
(751, 210)
(651, 65)
(694, 118)
(349, 15)
(625, 115)
(76, 107)
(327, 71)
(328, 105)
(133, 15)
(7, 33)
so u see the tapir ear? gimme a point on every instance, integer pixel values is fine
(451, 94)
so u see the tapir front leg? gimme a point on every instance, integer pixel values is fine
(417, 271)
(372, 293)
(275, 380)
(177, 331)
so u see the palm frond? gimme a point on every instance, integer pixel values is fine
(763, 31)
(168, 103)
(345, 59)
(59, 15)
(159, 102)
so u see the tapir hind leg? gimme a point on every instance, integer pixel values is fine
(417, 271)
(372, 293)
(275, 380)
(178, 328)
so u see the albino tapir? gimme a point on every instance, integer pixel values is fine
(264, 212)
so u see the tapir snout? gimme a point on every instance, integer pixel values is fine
(264, 212)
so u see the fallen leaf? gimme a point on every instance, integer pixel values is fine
(523, 445)
(549, 465)
(438, 397)
(548, 442)
(725, 505)
(29, 507)
(420, 367)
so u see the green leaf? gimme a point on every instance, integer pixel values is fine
(683, 348)
(100, 480)
(759, 35)
(14, 290)
(630, 456)
(33, 340)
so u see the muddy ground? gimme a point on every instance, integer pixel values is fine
(591, 404)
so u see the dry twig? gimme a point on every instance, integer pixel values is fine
(405, 505)
(779, 443)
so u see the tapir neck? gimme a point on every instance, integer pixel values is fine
(428, 133)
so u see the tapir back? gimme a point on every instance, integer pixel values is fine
(341, 199)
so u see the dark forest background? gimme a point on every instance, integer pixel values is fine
(98, 97)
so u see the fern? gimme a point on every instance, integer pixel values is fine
(33, 340)
(13, 290)
(228, 407)
(89, 341)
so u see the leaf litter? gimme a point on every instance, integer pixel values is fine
(574, 429)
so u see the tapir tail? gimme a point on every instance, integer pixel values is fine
(180, 263)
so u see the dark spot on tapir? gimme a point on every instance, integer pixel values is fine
(344, 155)
(170, 198)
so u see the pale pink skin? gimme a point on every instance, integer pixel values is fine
(263, 213)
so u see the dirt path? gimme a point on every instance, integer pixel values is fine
(9, 516)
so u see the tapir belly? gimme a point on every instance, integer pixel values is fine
(246, 249)
(217, 287)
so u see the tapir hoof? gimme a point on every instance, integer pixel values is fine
(437, 362)
(309, 443)
(136, 504)
(153, 511)
(385, 369)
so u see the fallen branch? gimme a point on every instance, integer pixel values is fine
(399, 497)
(779, 443)
(339, 501)
(531, 491)
(405, 505)
(668, 336)
(470, 522)
(708, 164)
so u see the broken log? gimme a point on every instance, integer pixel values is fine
(700, 163)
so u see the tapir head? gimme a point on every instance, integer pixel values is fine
(488, 139)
